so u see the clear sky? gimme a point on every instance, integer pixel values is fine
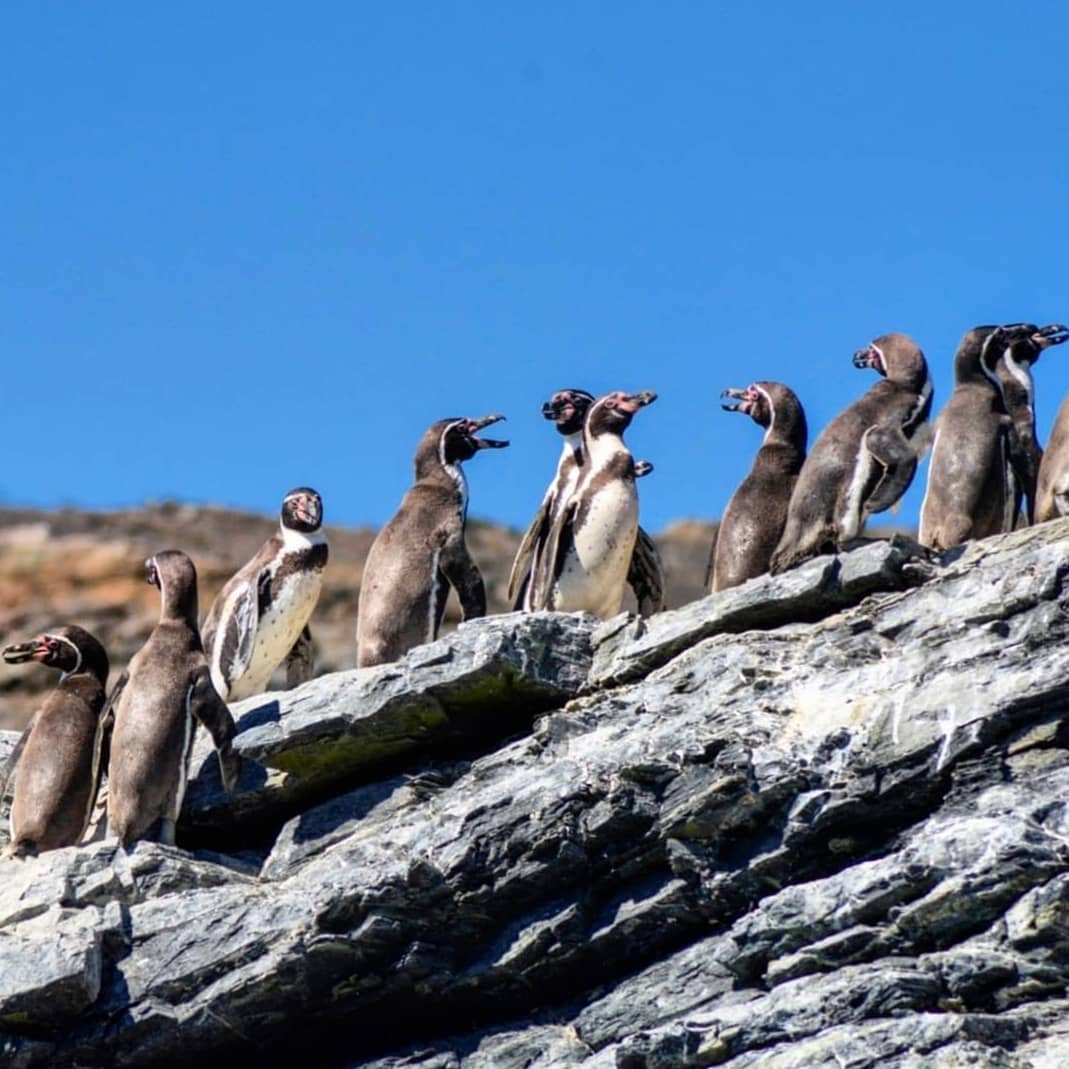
(246, 246)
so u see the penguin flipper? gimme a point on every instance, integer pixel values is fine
(210, 710)
(300, 661)
(522, 563)
(102, 747)
(550, 562)
(460, 570)
(13, 759)
(897, 458)
(645, 575)
(239, 633)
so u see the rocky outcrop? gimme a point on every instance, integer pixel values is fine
(88, 567)
(820, 820)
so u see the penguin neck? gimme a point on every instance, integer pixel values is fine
(448, 473)
(179, 606)
(294, 541)
(601, 448)
(572, 450)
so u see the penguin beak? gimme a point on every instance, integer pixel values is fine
(736, 399)
(34, 650)
(871, 357)
(474, 425)
(551, 411)
(1053, 334)
(631, 403)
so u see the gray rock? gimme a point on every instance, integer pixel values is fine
(834, 831)
(482, 682)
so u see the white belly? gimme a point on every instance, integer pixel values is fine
(595, 569)
(277, 632)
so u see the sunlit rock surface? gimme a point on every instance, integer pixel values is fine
(820, 820)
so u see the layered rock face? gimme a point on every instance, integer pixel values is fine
(819, 820)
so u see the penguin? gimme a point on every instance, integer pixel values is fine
(152, 713)
(865, 459)
(54, 782)
(421, 552)
(985, 455)
(568, 409)
(260, 618)
(753, 521)
(970, 488)
(1024, 345)
(587, 553)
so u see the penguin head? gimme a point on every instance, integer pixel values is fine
(568, 409)
(302, 510)
(771, 405)
(69, 649)
(1025, 341)
(458, 440)
(977, 353)
(754, 402)
(174, 574)
(896, 357)
(612, 413)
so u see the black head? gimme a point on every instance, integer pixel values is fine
(302, 510)
(1026, 341)
(612, 414)
(896, 357)
(173, 573)
(68, 649)
(458, 441)
(568, 409)
(977, 353)
(771, 405)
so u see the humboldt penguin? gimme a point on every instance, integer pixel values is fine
(260, 618)
(970, 489)
(421, 552)
(54, 782)
(166, 690)
(584, 563)
(568, 409)
(985, 455)
(865, 459)
(753, 521)
(1024, 345)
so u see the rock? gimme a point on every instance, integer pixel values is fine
(477, 685)
(830, 831)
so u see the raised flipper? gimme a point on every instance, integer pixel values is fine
(645, 576)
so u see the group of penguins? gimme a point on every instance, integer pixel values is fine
(583, 548)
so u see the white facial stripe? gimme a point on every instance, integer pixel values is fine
(456, 473)
(883, 360)
(1021, 374)
(77, 654)
(771, 408)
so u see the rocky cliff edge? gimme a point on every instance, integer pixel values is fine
(821, 820)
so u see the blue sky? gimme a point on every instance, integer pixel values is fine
(248, 246)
